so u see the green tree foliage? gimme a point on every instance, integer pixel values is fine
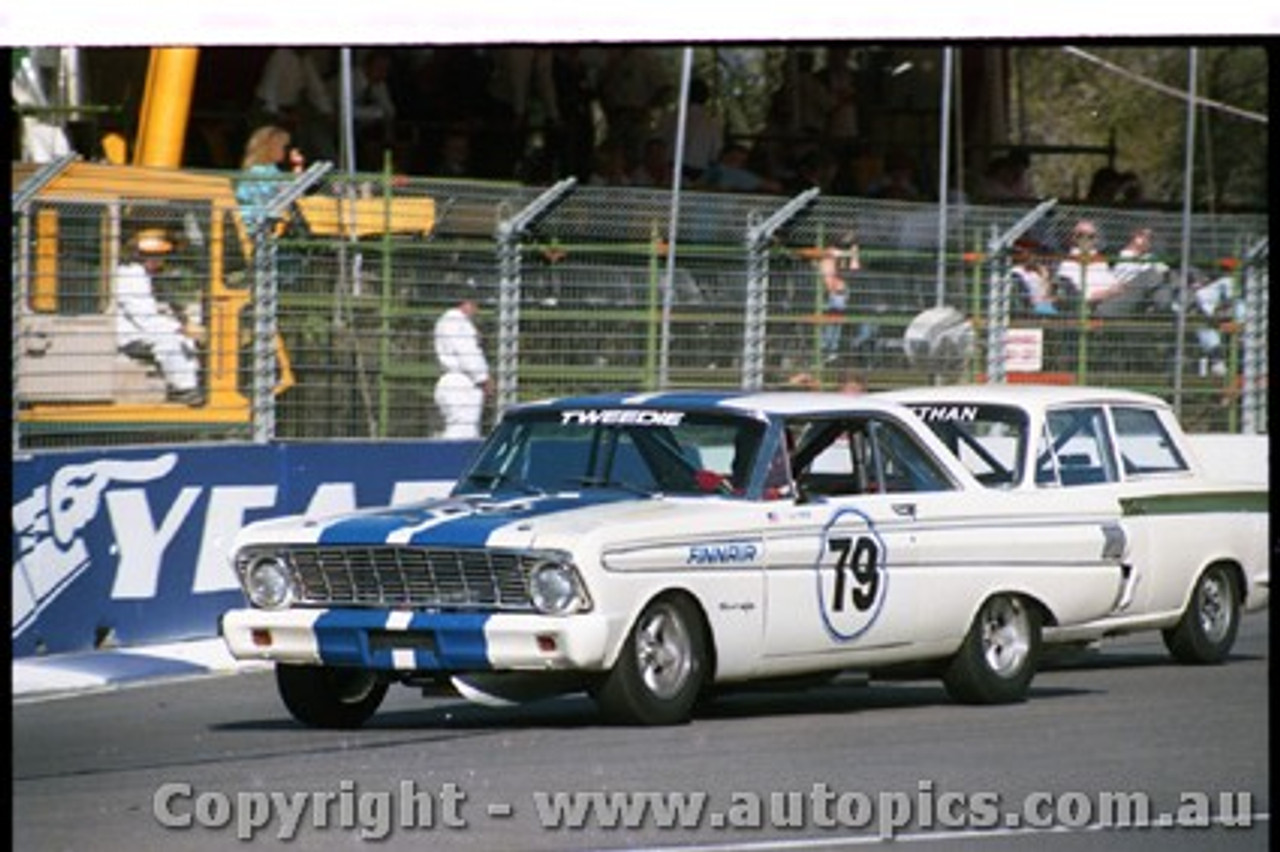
(1060, 98)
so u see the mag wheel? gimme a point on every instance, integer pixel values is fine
(662, 667)
(1207, 629)
(328, 697)
(999, 655)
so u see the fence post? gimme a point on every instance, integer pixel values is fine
(266, 300)
(756, 312)
(1255, 367)
(997, 314)
(998, 308)
(508, 235)
(653, 320)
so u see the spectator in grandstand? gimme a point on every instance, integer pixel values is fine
(610, 166)
(522, 99)
(1085, 272)
(264, 166)
(801, 105)
(1141, 277)
(464, 371)
(571, 140)
(372, 108)
(730, 173)
(1104, 186)
(454, 158)
(1216, 303)
(842, 118)
(291, 92)
(654, 168)
(897, 182)
(703, 132)
(1130, 190)
(815, 168)
(147, 328)
(631, 86)
(1030, 275)
(1008, 178)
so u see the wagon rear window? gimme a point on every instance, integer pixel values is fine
(1145, 445)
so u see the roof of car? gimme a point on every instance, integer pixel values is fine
(1020, 394)
(771, 402)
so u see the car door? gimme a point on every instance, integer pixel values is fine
(831, 585)
(1075, 456)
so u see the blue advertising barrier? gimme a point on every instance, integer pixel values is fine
(131, 545)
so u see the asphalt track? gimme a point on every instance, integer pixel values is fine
(91, 771)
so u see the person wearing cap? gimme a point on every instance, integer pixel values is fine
(464, 381)
(142, 322)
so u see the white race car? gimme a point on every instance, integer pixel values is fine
(1197, 546)
(649, 549)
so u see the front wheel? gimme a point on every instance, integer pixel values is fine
(999, 655)
(330, 697)
(661, 669)
(1207, 629)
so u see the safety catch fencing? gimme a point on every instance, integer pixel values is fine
(323, 330)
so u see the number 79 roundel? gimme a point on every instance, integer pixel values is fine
(851, 577)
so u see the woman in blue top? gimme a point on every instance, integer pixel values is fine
(264, 156)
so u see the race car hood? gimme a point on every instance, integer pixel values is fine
(553, 520)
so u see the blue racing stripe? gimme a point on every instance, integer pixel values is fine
(473, 530)
(460, 642)
(468, 526)
(440, 641)
(371, 527)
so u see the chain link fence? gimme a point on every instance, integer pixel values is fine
(318, 323)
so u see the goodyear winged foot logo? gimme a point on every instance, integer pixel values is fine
(50, 552)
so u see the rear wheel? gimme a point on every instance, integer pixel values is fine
(999, 655)
(662, 667)
(329, 697)
(1207, 629)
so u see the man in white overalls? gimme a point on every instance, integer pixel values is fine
(464, 381)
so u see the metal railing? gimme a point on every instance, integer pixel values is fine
(571, 283)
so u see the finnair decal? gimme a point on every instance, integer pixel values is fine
(725, 553)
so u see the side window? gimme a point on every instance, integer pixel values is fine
(1075, 449)
(1144, 444)
(865, 457)
(901, 464)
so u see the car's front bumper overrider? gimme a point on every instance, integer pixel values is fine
(405, 640)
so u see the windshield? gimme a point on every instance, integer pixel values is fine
(632, 449)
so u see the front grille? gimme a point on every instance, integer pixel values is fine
(403, 575)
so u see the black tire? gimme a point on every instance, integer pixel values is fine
(662, 667)
(999, 655)
(1207, 630)
(329, 697)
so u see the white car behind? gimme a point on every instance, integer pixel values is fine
(1198, 556)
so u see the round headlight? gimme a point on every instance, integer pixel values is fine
(268, 583)
(553, 588)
